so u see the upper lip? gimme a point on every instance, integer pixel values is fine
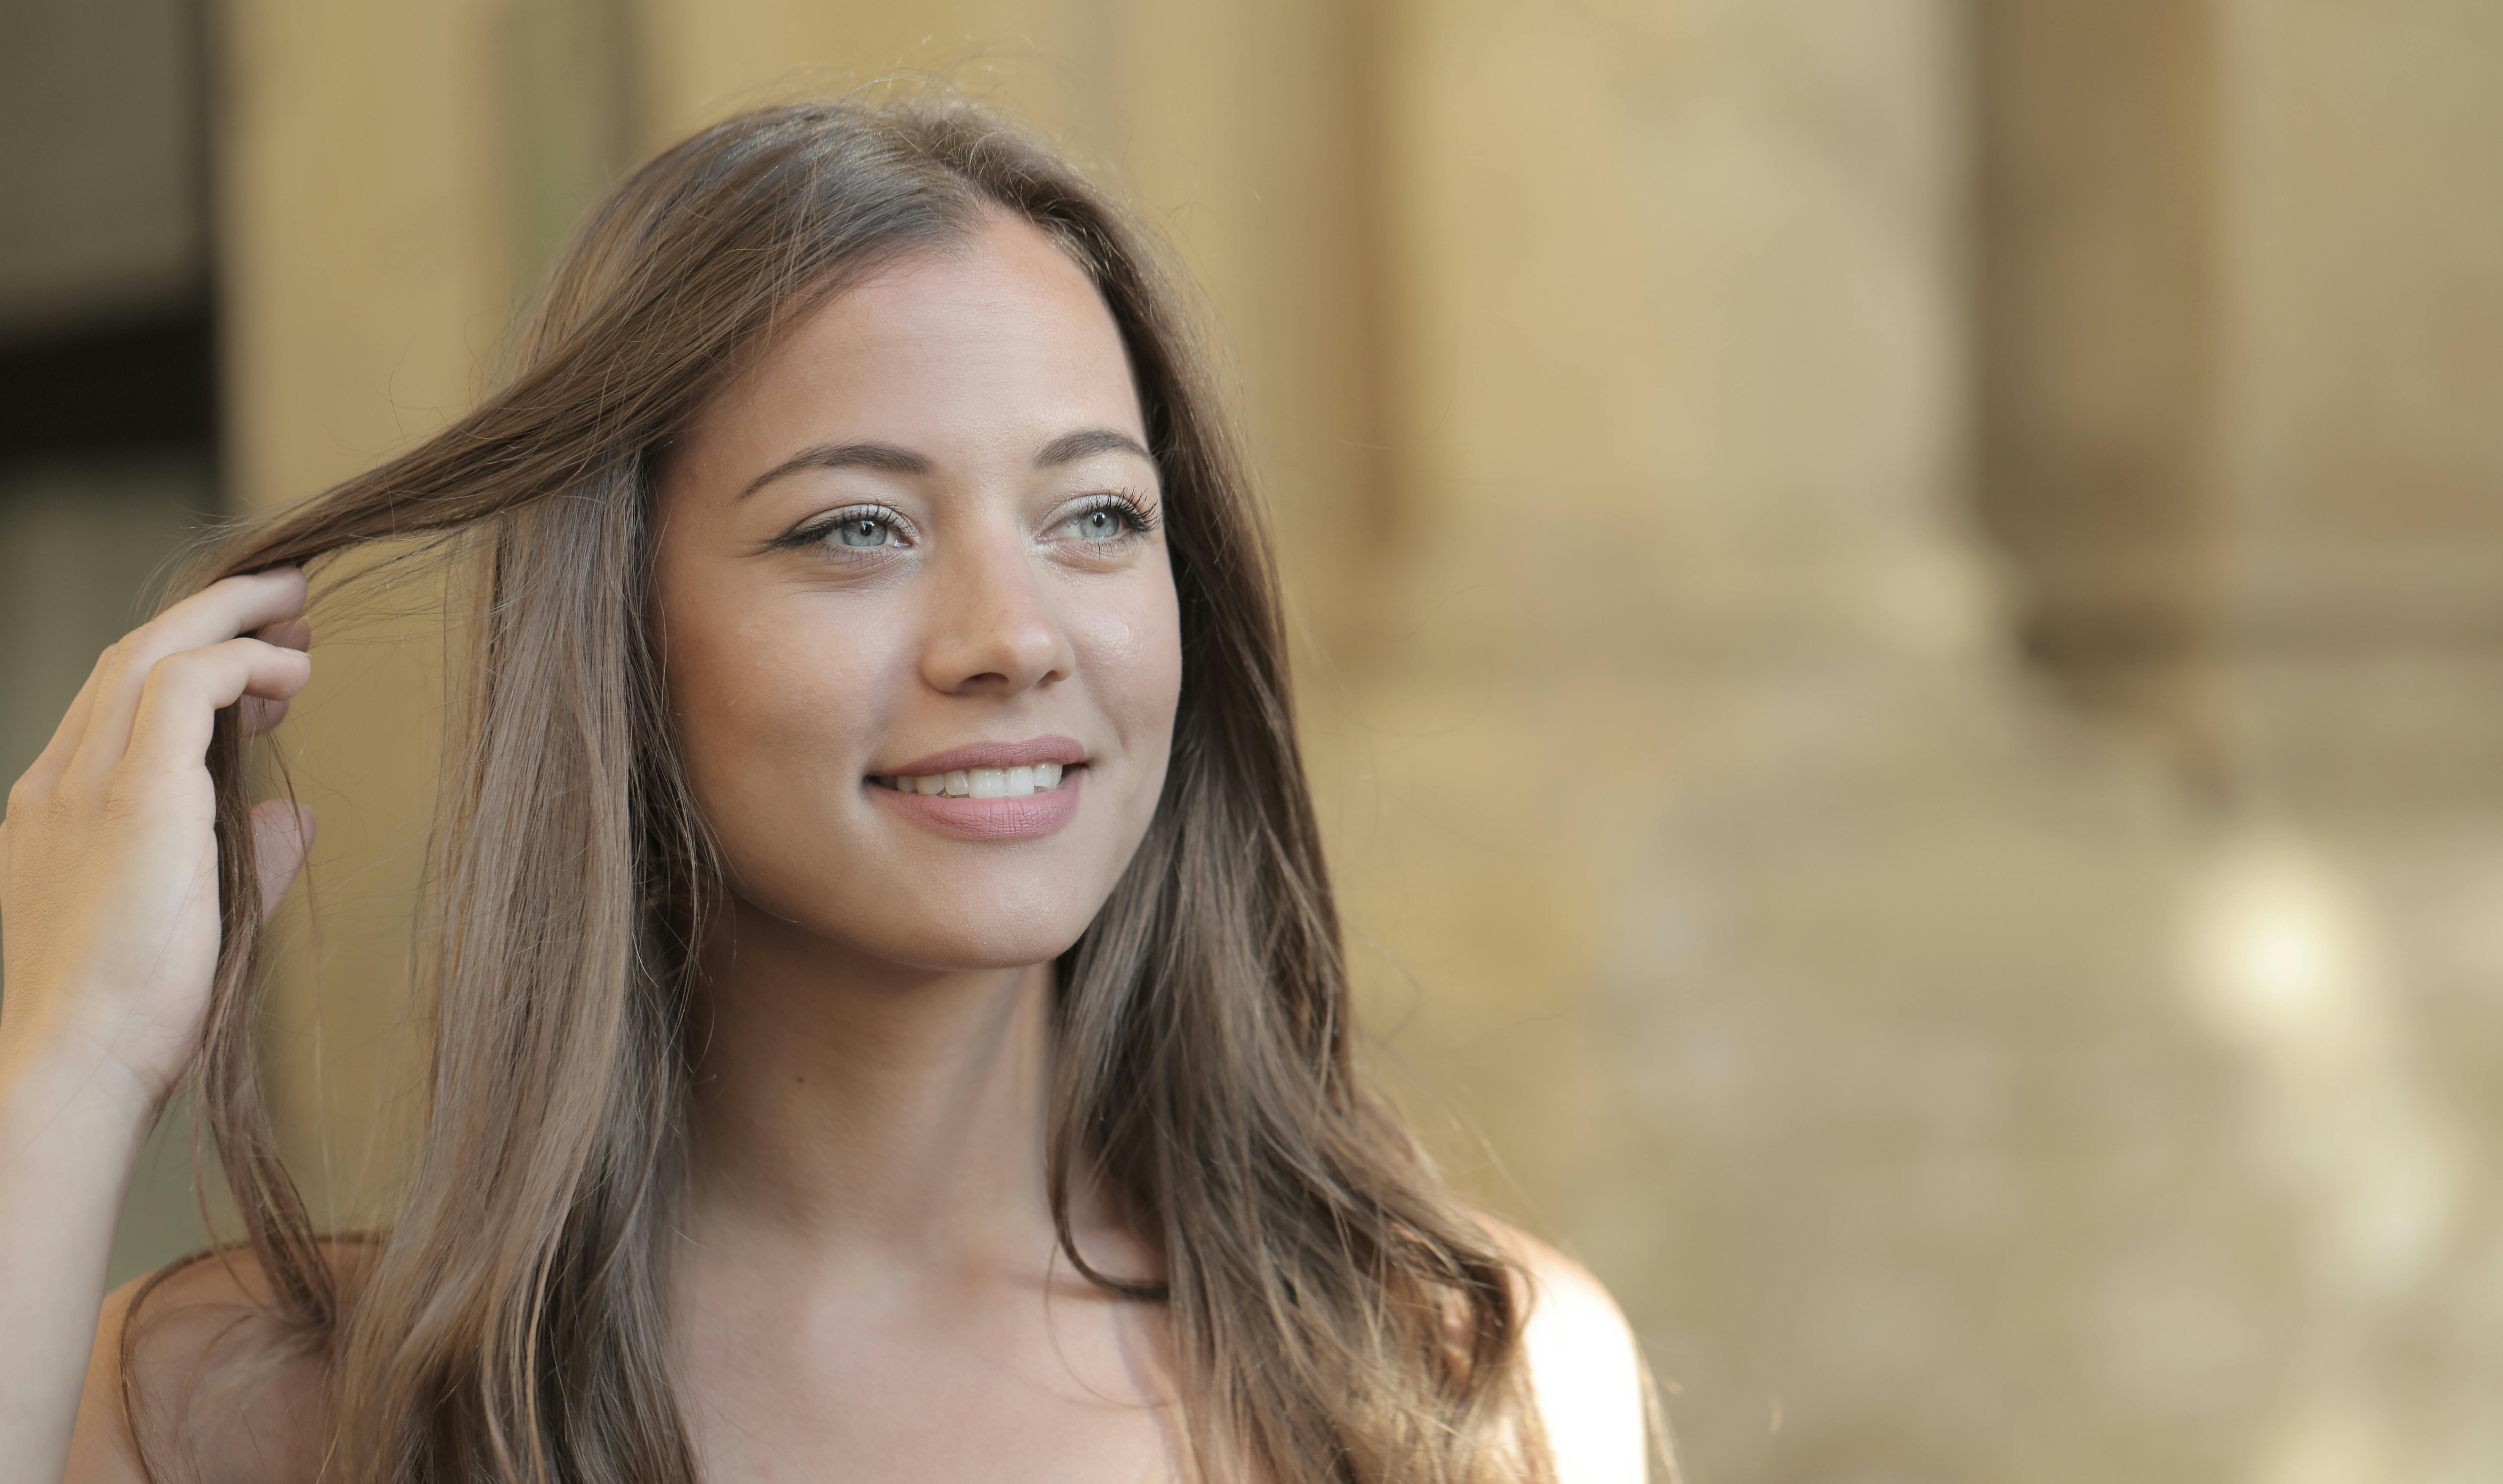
(991, 754)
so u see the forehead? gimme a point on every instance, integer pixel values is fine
(1001, 339)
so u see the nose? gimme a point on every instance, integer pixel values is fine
(992, 625)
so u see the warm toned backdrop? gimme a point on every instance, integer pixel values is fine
(1900, 622)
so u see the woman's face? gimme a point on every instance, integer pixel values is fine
(910, 566)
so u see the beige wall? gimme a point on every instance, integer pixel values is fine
(1673, 412)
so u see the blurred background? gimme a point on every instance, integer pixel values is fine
(1901, 606)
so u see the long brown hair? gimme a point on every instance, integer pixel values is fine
(1337, 1318)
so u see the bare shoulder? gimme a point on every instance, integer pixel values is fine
(1584, 1367)
(218, 1389)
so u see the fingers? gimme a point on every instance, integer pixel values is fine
(212, 616)
(259, 713)
(183, 692)
(281, 834)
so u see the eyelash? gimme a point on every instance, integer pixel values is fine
(1139, 518)
(814, 532)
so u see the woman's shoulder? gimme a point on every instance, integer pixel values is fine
(1585, 1369)
(218, 1386)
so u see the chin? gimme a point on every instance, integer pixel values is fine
(1006, 929)
(1000, 928)
(969, 953)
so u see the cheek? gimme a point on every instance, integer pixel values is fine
(771, 715)
(1134, 651)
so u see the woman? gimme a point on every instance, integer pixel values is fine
(889, 1018)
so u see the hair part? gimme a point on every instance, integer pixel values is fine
(1336, 1315)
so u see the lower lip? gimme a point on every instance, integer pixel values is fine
(988, 819)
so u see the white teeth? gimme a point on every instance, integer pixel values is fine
(979, 783)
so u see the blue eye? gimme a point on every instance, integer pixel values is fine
(862, 528)
(1112, 521)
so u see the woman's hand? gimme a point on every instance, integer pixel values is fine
(109, 912)
(108, 859)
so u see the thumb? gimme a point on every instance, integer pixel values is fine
(281, 834)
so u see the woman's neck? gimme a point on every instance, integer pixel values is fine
(873, 1113)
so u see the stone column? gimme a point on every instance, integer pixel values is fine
(1809, 966)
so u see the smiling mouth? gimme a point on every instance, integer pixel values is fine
(978, 783)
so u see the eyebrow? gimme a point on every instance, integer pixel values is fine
(1068, 448)
(885, 457)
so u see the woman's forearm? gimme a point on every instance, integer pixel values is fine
(71, 1127)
